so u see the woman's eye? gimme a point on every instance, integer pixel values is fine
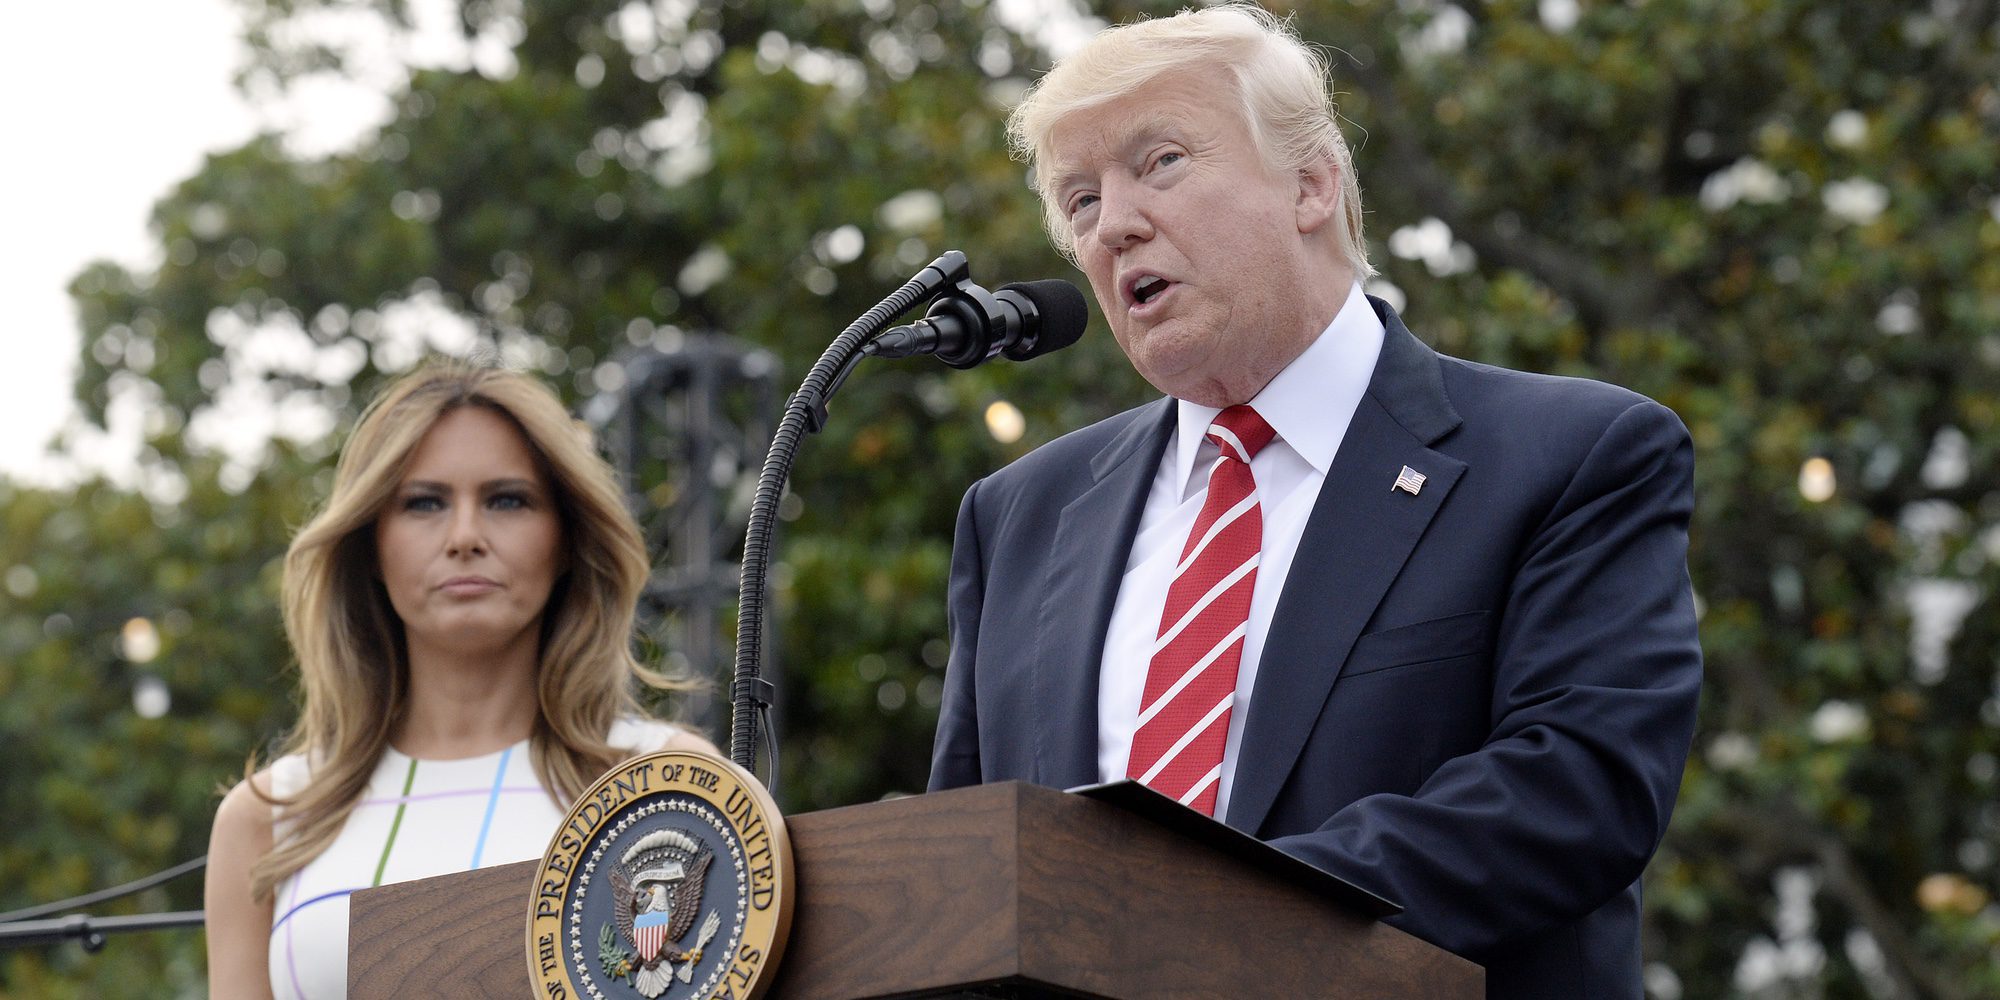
(508, 501)
(423, 504)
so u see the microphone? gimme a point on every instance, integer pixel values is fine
(969, 325)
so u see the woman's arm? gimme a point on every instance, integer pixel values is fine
(239, 927)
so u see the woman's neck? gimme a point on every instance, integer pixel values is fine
(466, 705)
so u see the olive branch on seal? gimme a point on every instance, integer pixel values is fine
(615, 961)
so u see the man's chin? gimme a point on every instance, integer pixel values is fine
(1167, 352)
(1182, 376)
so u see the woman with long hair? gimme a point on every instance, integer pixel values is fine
(462, 612)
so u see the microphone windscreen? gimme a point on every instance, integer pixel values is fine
(1063, 310)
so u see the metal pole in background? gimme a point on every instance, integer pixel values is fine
(687, 432)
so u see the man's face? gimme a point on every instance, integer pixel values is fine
(1195, 248)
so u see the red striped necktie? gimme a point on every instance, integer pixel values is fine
(1184, 713)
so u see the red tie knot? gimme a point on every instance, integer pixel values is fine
(1240, 432)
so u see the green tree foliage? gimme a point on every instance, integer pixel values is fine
(111, 601)
(1779, 217)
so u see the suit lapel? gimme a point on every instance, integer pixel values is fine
(1361, 532)
(1092, 542)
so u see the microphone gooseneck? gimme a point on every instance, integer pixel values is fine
(965, 326)
(805, 412)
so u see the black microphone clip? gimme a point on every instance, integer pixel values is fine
(968, 325)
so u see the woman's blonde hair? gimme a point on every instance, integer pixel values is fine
(354, 674)
(1281, 81)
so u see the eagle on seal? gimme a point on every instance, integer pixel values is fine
(656, 888)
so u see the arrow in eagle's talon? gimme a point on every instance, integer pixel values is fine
(708, 929)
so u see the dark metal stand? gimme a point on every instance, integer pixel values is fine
(88, 929)
(683, 432)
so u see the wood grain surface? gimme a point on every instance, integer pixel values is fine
(1002, 891)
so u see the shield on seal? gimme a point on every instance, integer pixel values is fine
(649, 933)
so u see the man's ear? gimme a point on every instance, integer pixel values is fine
(1319, 195)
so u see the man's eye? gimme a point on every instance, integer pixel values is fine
(1168, 159)
(1081, 202)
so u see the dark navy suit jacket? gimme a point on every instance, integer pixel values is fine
(1475, 701)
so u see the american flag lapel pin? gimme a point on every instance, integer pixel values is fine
(1409, 481)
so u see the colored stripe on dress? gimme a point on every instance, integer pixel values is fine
(409, 782)
(492, 801)
(321, 898)
(291, 951)
(454, 793)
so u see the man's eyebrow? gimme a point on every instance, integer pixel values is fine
(1123, 139)
(1146, 128)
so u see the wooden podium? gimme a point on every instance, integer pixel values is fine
(999, 891)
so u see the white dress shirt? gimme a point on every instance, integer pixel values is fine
(1309, 404)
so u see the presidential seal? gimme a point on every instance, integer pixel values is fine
(670, 878)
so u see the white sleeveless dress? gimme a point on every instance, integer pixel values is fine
(417, 819)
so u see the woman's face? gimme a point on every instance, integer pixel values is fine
(469, 544)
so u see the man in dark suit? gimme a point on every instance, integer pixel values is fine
(1423, 623)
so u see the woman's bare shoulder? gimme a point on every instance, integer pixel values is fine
(688, 739)
(245, 811)
(642, 735)
(238, 922)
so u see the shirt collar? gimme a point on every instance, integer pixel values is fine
(1311, 401)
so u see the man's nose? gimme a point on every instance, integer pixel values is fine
(1122, 217)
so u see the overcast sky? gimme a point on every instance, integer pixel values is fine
(108, 104)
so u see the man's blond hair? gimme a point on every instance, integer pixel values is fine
(1282, 82)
